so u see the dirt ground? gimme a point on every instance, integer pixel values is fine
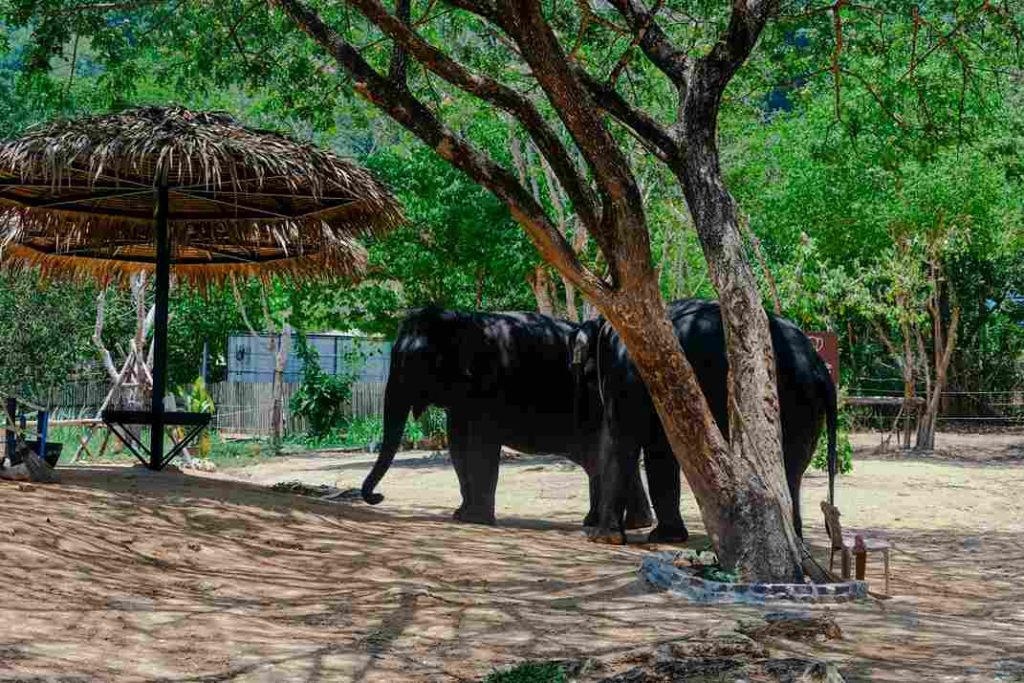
(123, 574)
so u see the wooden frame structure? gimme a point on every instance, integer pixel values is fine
(193, 193)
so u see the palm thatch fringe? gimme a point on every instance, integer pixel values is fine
(79, 196)
(18, 259)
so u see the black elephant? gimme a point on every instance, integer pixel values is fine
(504, 379)
(807, 398)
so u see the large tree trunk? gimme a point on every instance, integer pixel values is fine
(540, 284)
(280, 345)
(743, 494)
(943, 345)
(747, 516)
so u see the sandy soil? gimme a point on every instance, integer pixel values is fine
(122, 574)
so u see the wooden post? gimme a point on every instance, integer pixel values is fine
(12, 408)
(44, 430)
(860, 554)
(163, 285)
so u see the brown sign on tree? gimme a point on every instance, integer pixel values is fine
(827, 346)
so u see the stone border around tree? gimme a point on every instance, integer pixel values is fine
(661, 571)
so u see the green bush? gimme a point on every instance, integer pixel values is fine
(529, 672)
(434, 423)
(196, 398)
(321, 397)
(844, 448)
(368, 433)
(364, 432)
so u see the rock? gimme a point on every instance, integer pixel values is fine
(795, 670)
(346, 495)
(803, 626)
(716, 643)
(198, 464)
(31, 468)
(722, 669)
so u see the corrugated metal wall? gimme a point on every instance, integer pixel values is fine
(250, 360)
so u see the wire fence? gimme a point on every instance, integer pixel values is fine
(974, 409)
(240, 407)
(247, 407)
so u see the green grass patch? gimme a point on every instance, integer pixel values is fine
(224, 454)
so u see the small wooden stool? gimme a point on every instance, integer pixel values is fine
(850, 543)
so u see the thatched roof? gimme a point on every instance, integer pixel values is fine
(77, 197)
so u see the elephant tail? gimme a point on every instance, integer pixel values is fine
(396, 412)
(831, 424)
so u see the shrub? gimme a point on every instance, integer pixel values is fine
(844, 449)
(368, 433)
(196, 399)
(321, 397)
(529, 672)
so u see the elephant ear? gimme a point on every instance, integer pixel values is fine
(584, 351)
(478, 361)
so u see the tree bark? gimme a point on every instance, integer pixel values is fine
(944, 344)
(748, 494)
(538, 281)
(280, 345)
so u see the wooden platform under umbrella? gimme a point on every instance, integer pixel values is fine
(193, 193)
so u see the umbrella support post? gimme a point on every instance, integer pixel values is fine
(163, 286)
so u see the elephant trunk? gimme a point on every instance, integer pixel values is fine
(396, 412)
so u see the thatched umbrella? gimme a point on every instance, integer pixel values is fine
(196, 194)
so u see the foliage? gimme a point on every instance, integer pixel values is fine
(196, 398)
(321, 397)
(529, 672)
(844, 447)
(42, 341)
(434, 423)
(234, 453)
(848, 226)
(368, 433)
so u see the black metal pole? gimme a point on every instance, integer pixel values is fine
(163, 286)
(12, 408)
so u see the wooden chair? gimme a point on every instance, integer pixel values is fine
(852, 544)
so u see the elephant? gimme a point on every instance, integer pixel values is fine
(629, 422)
(504, 379)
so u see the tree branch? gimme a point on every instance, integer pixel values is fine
(655, 44)
(408, 111)
(655, 137)
(493, 92)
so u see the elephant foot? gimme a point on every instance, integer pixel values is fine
(606, 536)
(664, 533)
(469, 516)
(590, 520)
(639, 520)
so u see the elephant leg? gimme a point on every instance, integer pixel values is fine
(458, 448)
(480, 465)
(798, 451)
(638, 509)
(619, 459)
(594, 482)
(664, 480)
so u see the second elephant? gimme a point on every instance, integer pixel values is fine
(807, 400)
